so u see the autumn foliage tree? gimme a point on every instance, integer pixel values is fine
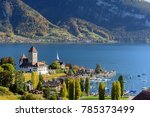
(35, 79)
(77, 89)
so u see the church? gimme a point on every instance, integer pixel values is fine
(31, 63)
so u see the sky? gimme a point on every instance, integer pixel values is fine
(147, 0)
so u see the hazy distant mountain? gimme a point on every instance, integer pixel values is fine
(76, 20)
(17, 18)
(128, 17)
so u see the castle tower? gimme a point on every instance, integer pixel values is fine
(22, 59)
(33, 55)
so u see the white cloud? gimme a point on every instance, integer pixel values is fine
(147, 0)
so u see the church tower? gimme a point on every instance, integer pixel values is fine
(33, 55)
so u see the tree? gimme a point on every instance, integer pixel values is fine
(34, 79)
(71, 89)
(102, 91)
(113, 91)
(64, 91)
(40, 84)
(19, 82)
(6, 60)
(53, 94)
(6, 78)
(118, 91)
(8, 67)
(55, 65)
(98, 69)
(46, 92)
(77, 89)
(121, 80)
(70, 72)
(67, 82)
(87, 86)
(1, 69)
(30, 96)
(82, 84)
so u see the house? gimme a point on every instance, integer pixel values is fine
(56, 85)
(144, 95)
(31, 63)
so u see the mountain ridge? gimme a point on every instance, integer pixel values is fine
(131, 16)
(21, 20)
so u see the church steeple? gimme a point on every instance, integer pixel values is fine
(57, 57)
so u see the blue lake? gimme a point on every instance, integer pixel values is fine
(127, 59)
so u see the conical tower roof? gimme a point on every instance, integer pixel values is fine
(33, 49)
(23, 56)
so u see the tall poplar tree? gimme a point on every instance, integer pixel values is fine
(113, 91)
(121, 80)
(102, 91)
(87, 86)
(77, 89)
(82, 84)
(35, 79)
(64, 92)
(118, 91)
(71, 89)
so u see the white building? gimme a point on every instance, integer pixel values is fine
(31, 63)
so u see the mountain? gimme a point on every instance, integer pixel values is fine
(19, 22)
(86, 31)
(128, 20)
(17, 18)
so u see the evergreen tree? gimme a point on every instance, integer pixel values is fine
(102, 91)
(121, 80)
(118, 91)
(6, 78)
(19, 82)
(77, 89)
(40, 84)
(113, 91)
(71, 89)
(35, 79)
(87, 86)
(46, 92)
(98, 69)
(82, 84)
(67, 82)
(64, 91)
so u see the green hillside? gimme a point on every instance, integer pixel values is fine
(86, 31)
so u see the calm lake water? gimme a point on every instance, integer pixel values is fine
(130, 60)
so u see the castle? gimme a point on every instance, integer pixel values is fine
(31, 63)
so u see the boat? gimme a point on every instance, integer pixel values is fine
(126, 92)
(143, 74)
(138, 75)
(132, 91)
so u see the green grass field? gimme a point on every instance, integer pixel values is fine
(96, 98)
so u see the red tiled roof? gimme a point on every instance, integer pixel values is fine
(144, 95)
